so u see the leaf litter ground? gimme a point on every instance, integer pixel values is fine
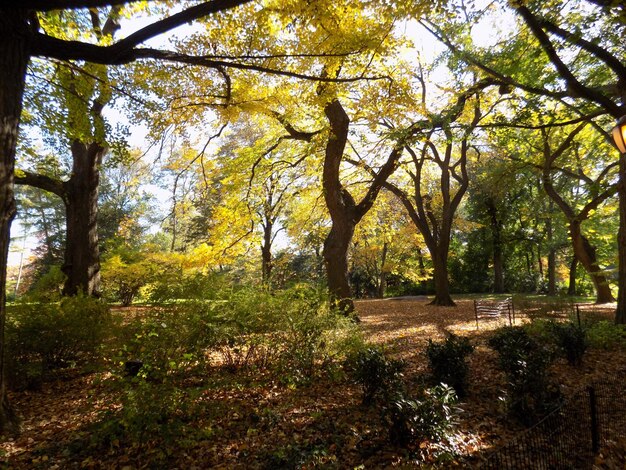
(245, 420)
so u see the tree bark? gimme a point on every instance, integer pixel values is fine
(341, 207)
(440, 273)
(620, 313)
(571, 288)
(496, 236)
(336, 261)
(345, 213)
(266, 253)
(82, 255)
(586, 255)
(382, 281)
(14, 57)
(551, 259)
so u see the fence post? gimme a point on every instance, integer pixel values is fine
(595, 432)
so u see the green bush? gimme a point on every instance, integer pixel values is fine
(447, 362)
(290, 332)
(378, 376)
(172, 283)
(433, 416)
(572, 340)
(48, 287)
(167, 340)
(42, 337)
(530, 393)
(148, 411)
(569, 339)
(606, 335)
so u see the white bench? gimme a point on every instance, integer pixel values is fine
(494, 309)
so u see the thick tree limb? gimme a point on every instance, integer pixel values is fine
(605, 56)
(44, 182)
(504, 79)
(574, 85)
(122, 51)
(47, 5)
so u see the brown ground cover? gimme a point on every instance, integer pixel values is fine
(254, 422)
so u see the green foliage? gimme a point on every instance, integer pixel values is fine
(432, 416)
(606, 335)
(47, 288)
(530, 394)
(167, 341)
(42, 337)
(378, 376)
(447, 362)
(572, 340)
(171, 283)
(569, 338)
(148, 411)
(291, 332)
(297, 455)
(123, 280)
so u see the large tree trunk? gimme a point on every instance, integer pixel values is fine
(336, 261)
(586, 255)
(341, 207)
(496, 235)
(14, 57)
(620, 313)
(440, 275)
(82, 256)
(266, 254)
(382, 281)
(551, 260)
(571, 288)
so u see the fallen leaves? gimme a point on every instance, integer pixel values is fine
(254, 423)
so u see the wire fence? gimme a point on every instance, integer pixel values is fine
(571, 436)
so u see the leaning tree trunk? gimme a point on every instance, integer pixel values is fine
(336, 261)
(586, 255)
(440, 275)
(14, 56)
(82, 256)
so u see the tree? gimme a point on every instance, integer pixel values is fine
(579, 62)
(596, 192)
(433, 213)
(20, 40)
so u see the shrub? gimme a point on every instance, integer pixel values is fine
(290, 332)
(530, 395)
(432, 416)
(377, 375)
(572, 340)
(124, 279)
(606, 335)
(42, 337)
(148, 420)
(167, 340)
(447, 362)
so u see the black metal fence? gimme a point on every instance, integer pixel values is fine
(570, 436)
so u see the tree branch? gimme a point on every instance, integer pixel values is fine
(576, 87)
(43, 182)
